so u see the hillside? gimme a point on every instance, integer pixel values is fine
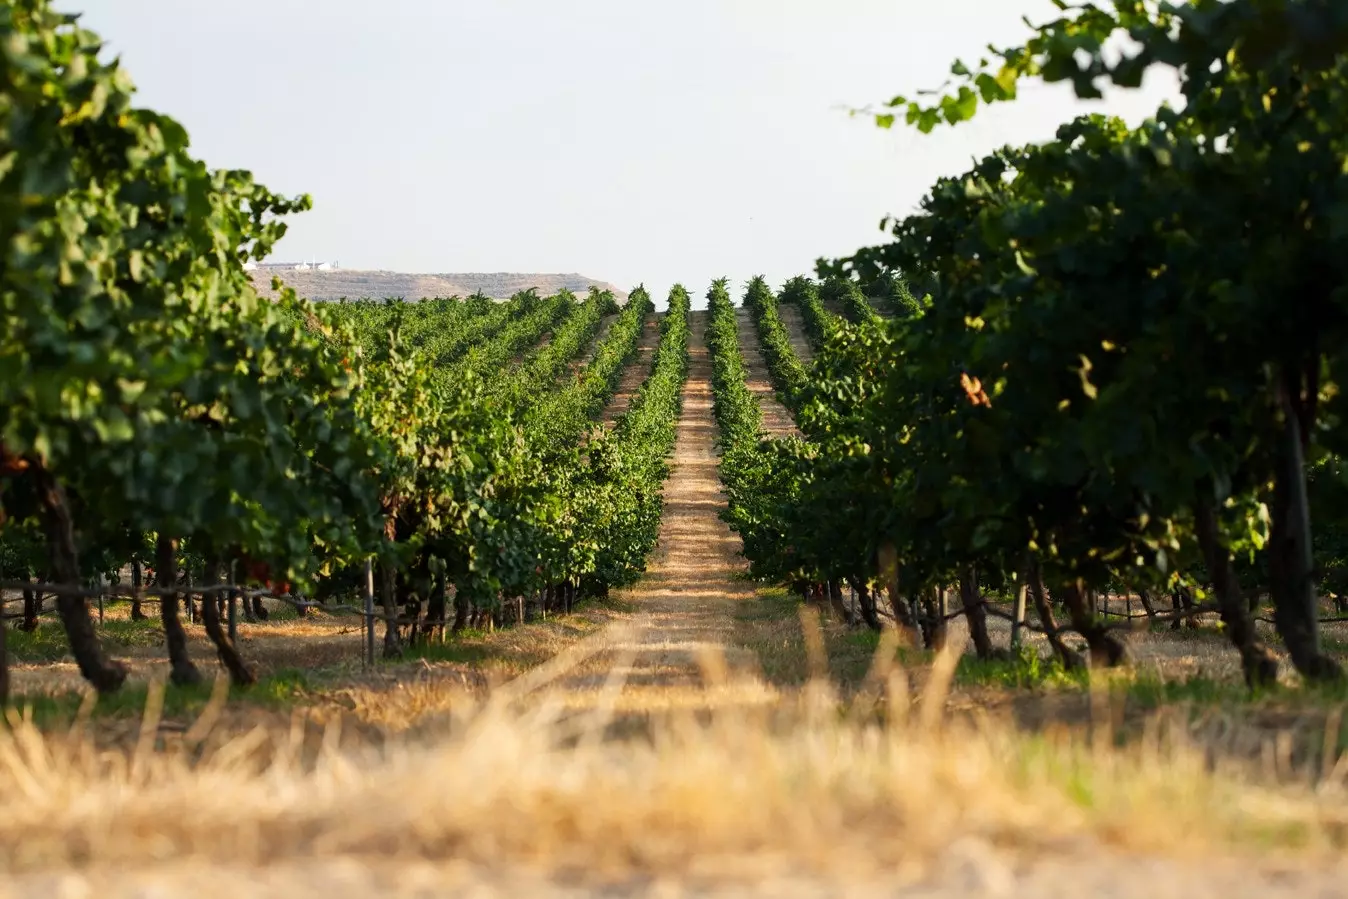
(354, 283)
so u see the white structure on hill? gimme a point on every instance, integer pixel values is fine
(315, 266)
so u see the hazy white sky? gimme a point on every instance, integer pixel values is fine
(630, 141)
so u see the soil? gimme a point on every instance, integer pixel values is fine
(683, 623)
(795, 332)
(776, 419)
(636, 371)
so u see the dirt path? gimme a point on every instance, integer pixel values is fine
(795, 332)
(776, 419)
(683, 617)
(636, 371)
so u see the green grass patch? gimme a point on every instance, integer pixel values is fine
(1151, 691)
(48, 643)
(1025, 669)
(274, 691)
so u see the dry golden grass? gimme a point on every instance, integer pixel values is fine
(516, 780)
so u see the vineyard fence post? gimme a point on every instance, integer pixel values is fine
(233, 602)
(369, 613)
(1018, 615)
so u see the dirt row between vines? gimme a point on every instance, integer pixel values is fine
(776, 419)
(680, 633)
(795, 332)
(636, 371)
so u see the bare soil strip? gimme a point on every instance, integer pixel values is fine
(795, 332)
(636, 371)
(776, 419)
(680, 631)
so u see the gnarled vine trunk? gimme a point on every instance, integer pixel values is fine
(182, 671)
(1106, 650)
(32, 608)
(1296, 609)
(1182, 604)
(435, 608)
(1256, 661)
(975, 613)
(935, 628)
(1071, 659)
(104, 674)
(1145, 598)
(137, 581)
(866, 601)
(887, 562)
(462, 609)
(239, 672)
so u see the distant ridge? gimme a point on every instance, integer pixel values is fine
(357, 284)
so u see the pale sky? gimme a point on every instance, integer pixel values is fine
(630, 141)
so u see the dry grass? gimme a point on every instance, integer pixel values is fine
(516, 780)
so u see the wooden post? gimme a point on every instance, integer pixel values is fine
(233, 604)
(369, 613)
(1018, 616)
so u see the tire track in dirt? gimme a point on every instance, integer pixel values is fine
(679, 652)
(777, 421)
